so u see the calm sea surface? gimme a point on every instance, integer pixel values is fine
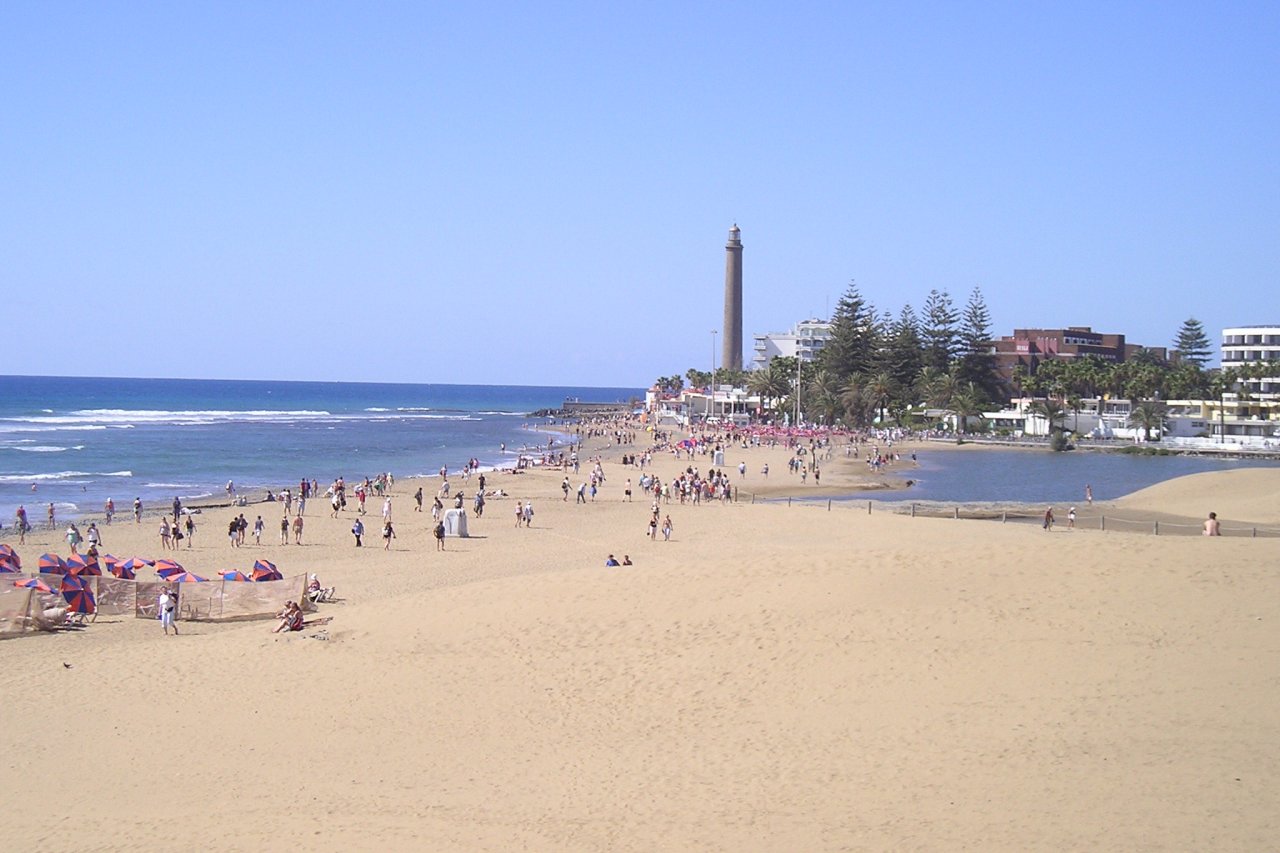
(80, 441)
(1032, 476)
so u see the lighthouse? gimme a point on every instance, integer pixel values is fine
(733, 300)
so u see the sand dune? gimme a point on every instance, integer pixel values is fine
(774, 678)
(1247, 494)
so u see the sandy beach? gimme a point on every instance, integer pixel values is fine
(774, 678)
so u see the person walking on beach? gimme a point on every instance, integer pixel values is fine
(479, 503)
(438, 532)
(436, 507)
(233, 532)
(519, 513)
(1211, 526)
(166, 606)
(667, 527)
(109, 509)
(73, 538)
(137, 510)
(387, 535)
(49, 513)
(1071, 519)
(284, 530)
(297, 530)
(1048, 519)
(1088, 494)
(93, 536)
(565, 487)
(22, 525)
(190, 524)
(528, 513)
(386, 509)
(357, 530)
(417, 500)
(164, 533)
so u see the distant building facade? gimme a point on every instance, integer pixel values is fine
(1031, 347)
(1245, 345)
(805, 341)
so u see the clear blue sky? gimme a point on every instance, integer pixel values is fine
(539, 193)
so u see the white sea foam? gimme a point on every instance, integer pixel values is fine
(45, 448)
(60, 476)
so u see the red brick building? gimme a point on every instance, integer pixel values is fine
(1031, 347)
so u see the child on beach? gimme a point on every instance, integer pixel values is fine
(387, 535)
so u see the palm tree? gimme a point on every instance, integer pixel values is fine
(1148, 414)
(966, 403)
(880, 389)
(1051, 411)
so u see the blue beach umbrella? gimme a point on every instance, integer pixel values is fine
(235, 575)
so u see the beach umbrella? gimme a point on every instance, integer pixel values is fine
(264, 570)
(168, 568)
(131, 565)
(78, 598)
(10, 556)
(8, 567)
(78, 564)
(33, 583)
(107, 560)
(235, 575)
(184, 577)
(52, 564)
(120, 570)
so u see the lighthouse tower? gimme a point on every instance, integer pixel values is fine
(733, 300)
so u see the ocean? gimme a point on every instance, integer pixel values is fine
(75, 442)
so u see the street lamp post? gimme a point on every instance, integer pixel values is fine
(712, 404)
(796, 421)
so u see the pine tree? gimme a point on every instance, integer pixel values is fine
(977, 363)
(1193, 343)
(852, 347)
(905, 358)
(938, 331)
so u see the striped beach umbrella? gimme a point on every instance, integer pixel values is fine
(77, 595)
(52, 564)
(10, 556)
(108, 561)
(78, 564)
(265, 570)
(33, 583)
(235, 575)
(133, 564)
(168, 568)
(8, 568)
(185, 577)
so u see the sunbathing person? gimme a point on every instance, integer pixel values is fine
(290, 618)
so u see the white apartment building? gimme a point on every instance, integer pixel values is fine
(806, 340)
(1249, 345)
